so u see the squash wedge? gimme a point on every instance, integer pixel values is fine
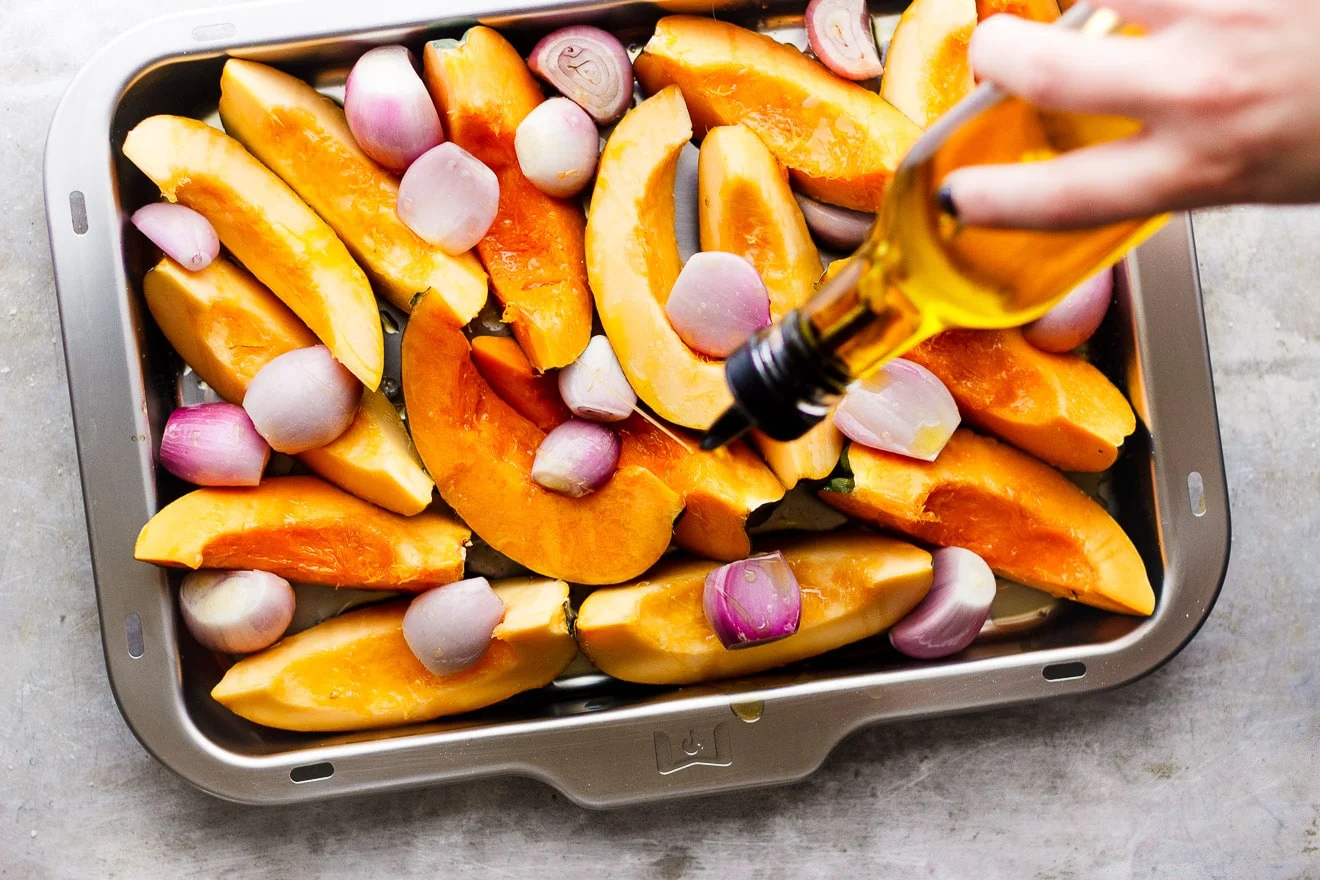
(355, 671)
(304, 529)
(854, 585)
(1058, 407)
(633, 262)
(927, 69)
(534, 250)
(747, 208)
(480, 450)
(840, 141)
(270, 230)
(303, 137)
(227, 326)
(1025, 519)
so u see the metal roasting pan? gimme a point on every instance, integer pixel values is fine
(601, 742)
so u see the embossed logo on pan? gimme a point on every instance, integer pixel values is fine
(712, 747)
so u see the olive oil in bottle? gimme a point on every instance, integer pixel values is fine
(922, 272)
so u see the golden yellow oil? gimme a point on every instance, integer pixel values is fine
(922, 272)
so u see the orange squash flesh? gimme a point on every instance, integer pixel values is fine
(720, 489)
(480, 450)
(270, 230)
(747, 208)
(226, 325)
(1058, 407)
(303, 137)
(854, 585)
(813, 456)
(633, 261)
(534, 251)
(927, 69)
(355, 671)
(840, 141)
(1025, 519)
(1044, 11)
(535, 396)
(304, 529)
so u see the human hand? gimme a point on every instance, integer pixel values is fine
(1228, 92)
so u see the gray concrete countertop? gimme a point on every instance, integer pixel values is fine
(1209, 768)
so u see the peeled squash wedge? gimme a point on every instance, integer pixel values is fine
(275, 235)
(840, 141)
(1058, 407)
(480, 452)
(927, 69)
(633, 262)
(227, 326)
(304, 529)
(303, 137)
(747, 208)
(355, 671)
(720, 489)
(533, 251)
(1024, 518)
(854, 585)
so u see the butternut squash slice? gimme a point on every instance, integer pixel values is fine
(480, 450)
(226, 325)
(304, 529)
(927, 70)
(633, 262)
(1025, 519)
(303, 137)
(854, 585)
(270, 230)
(747, 208)
(840, 141)
(1058, 407)
(355, 671)
(534, 252)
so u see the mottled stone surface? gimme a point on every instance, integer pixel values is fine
(1208, 769)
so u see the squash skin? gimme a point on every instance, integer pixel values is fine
(273, 232)
(1025, 519)
(747, 208)
(304, 529)
(633, 262)
(1057, 407)
(226, 325)
(480, 450)
(304, 138)
(855, 585)
(355, 671)
(534, 250)
(840, 141)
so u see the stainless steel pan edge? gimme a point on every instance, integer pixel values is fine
(682, 745)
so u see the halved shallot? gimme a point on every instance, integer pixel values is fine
(390, 113)
(904, 409)
(588, 66)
